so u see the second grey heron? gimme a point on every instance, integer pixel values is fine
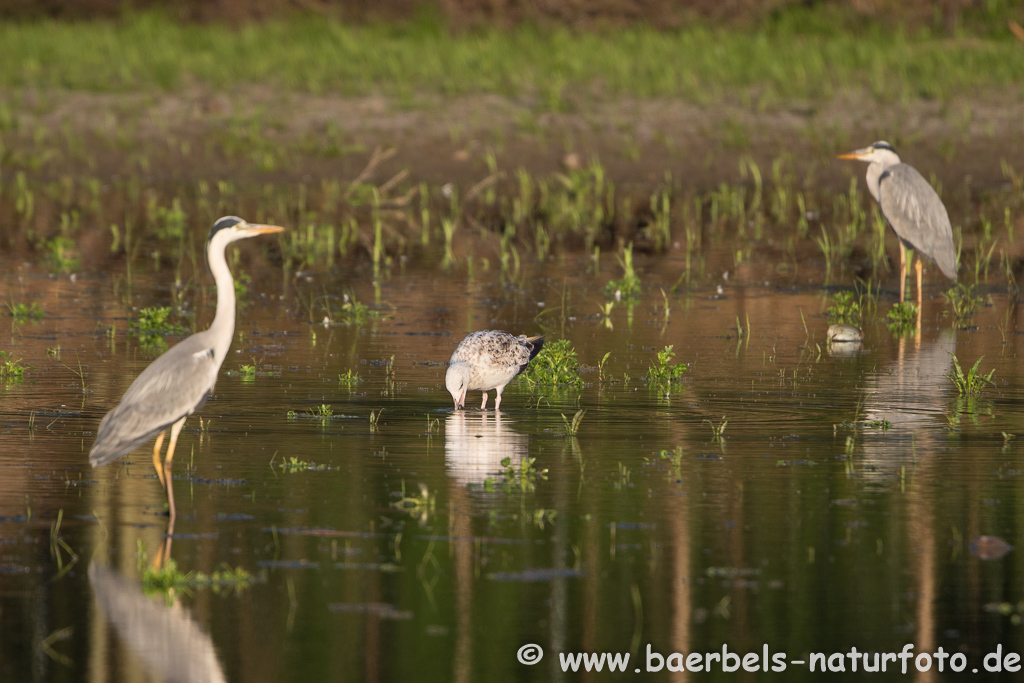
(177, 383)
(487, 360)
(912, 208)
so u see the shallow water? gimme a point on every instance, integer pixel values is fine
(836, 510)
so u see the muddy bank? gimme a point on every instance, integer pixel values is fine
(88, 167)
(200, 133)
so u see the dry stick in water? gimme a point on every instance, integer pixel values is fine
(378, 157)
(483, 185)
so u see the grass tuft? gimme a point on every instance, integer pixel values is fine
(555, 365)
(972, 382)
(663, 373)
(844, 310)
(573, 426)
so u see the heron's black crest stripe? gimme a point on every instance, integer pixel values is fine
(222, 223)
(883, 145)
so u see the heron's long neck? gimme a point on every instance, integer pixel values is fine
(875, 170)
(223, 327)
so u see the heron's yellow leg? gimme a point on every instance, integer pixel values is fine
(164, 553)
(175, 430)
(918, 267)
(157, 461)
(903, 270)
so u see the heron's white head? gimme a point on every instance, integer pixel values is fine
(231, 228)
(457, 382)
(880, 152)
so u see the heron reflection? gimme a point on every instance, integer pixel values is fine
(907, 398)
(476, 444)
(165, 640)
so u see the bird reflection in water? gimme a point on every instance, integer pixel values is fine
(906, 399)
(911, 394)
(163, 639)
(844, 340)
(476, 444)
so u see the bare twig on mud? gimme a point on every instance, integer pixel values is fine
(1016, 29)
(483, 185)
(397, 178)
(378, 157)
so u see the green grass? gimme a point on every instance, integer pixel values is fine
(572, 426)
(154, 321)
(25, 312)
(800, 54)
(663, 372)
(349, 378)
(902, 317)
(971, 382)
(963, 300)
(169, 579)
(844, 309)
(11, 369)
(556, 364)
(294, 464)
(420, 507)
(628, 286)
(522, 479)
(323, 413)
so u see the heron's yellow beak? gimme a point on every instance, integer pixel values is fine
(856, 154)
(260, 229)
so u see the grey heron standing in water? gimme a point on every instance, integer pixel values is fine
(912, 208)
(177, 383)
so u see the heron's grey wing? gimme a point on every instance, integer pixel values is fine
(172, 387)
(917, 215)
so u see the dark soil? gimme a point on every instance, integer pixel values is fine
(637, 142)
(467, 13)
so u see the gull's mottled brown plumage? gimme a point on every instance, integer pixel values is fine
(487, 360)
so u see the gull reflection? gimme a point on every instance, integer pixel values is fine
(476, 444)
(164, 639)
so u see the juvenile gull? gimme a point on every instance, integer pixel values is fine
(487, 360)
